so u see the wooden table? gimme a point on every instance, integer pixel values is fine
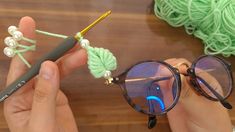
(132, 33)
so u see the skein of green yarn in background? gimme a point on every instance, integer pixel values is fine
(213, 21)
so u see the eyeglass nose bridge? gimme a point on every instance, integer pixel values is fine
(190, 72)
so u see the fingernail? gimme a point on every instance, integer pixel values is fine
(46, 72)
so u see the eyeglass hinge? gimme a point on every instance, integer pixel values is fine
(190, 71)
(109, 81)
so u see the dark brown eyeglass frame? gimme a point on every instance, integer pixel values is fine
(120, 80)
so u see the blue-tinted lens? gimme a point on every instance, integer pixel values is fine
(214, 72)
(152, 87)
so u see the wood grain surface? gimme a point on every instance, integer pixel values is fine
(132, 33)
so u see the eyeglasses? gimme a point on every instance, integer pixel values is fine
(153, 87)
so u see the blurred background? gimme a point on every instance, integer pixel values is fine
(131, 32)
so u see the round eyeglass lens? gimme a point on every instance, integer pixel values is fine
(151, 87)
(212, 74)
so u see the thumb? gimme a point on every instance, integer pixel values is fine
(44, 100)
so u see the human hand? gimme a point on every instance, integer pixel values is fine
(193, 112)
(40, 106)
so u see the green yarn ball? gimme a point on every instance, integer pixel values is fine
(213, 21)
(100, 60)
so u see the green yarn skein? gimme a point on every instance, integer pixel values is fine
(213, 21)
(100, 60)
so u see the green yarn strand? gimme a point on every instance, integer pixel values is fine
(100, 60)
(213, 21)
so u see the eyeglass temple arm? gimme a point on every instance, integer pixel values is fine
(151, 108)
(160, 78)
(222, 101)
(152, 121)
(154, 78)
